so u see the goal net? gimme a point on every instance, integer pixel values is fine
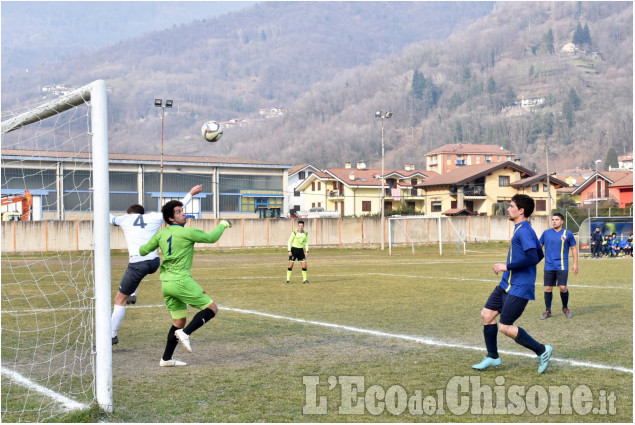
(457, 235)
(55, 305)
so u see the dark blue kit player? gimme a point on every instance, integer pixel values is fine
(515, 289)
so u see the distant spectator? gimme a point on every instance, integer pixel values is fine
(626, 247)
(606, 249)
(596, 243)
(614, 245)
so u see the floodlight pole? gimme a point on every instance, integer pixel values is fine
(168, 104)
(548, 188)
(378, 114)
(597, 194)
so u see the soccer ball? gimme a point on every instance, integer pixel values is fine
(212, 131)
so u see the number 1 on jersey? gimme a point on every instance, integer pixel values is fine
(170, 245)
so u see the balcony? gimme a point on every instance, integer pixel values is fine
(476, 191)
(334, 194)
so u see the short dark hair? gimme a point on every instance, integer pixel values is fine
(301, 221)
(136, 209)
(168, 210)
(525, 202)
(559, 215)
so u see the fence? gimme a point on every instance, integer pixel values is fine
(44, 236)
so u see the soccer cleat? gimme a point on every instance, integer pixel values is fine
(184, 339)
(171, 363)
(306, 281)
(543, 359)
(487, 362)
(567, 313)
(545, 314)
(132, 299)
(226, 223)
(287, 282)
(115, 340)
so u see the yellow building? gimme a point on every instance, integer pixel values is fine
(474, 189)
(358, 191)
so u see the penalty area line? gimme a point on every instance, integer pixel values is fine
(67, 403)
(419, 339)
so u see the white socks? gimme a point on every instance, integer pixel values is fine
(118, 312)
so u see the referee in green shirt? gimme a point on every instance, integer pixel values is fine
(298, 247)
(178, 286)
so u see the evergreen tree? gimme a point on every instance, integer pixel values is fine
(586, 35)
(567, 112)
(547, 41)
(510, 96)
(611, 159)
(578, 35)
(491, 85)
(574, 99)
(418, 84)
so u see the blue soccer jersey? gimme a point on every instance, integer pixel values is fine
(521, 283)
(557, 246)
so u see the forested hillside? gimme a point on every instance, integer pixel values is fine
(450, 72)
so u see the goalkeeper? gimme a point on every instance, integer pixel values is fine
(178, 286)
(298, 248)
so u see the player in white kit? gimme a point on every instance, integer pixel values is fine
(138, 229)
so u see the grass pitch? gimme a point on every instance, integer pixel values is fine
(370, 333)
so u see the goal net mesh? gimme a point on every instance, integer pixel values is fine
(47, 285)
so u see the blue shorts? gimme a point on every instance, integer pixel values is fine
(553, 276)
(510, 307)
(135, 273)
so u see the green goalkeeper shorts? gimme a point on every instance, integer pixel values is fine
(180, 293)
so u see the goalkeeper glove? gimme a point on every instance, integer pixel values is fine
(226, 223)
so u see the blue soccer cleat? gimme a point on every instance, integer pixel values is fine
(486, 363)
(543, 359)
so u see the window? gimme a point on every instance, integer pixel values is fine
(312, 204)
(365, 206)
(411, 205)
(478, 159)
(499, 158)
(296, 193)
(469, 160)
(436, 206)
(453, 204)
(319, 204)
(449, 160)
(488, 158)
(302, 175)
(541, 205)
(312, 186)
(544, 188)
(319, 186)
(503, 181)
(534, 188)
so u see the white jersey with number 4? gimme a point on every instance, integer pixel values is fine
(139, 228)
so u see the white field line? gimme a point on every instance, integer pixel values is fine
(417, 339)
(628, 288)
(67, 403)
(420, 340)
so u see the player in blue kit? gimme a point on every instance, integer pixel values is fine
(557, 242)
(515, 289)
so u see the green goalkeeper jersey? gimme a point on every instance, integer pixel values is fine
(177, 246)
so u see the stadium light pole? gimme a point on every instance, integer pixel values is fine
(548, 187)
(159, 104)
(378, 114)
(597, 161)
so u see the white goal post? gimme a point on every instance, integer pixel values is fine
(427, 229)
(92, 97)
